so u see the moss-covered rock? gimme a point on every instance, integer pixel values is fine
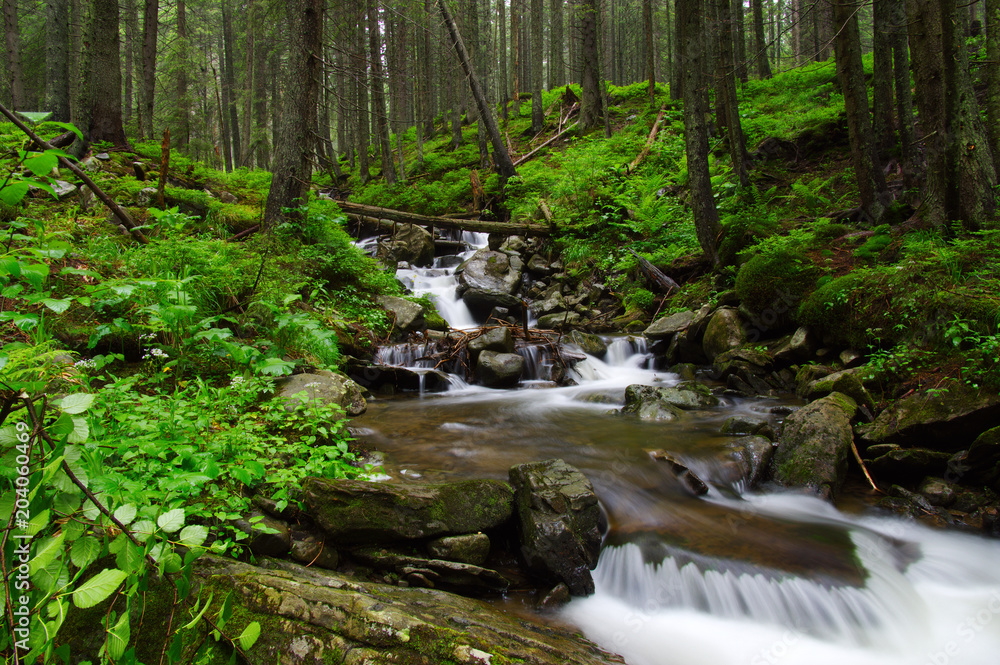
(326, 387)
(908, 465)
(847, 381)
(723, 333)
(771, 286)
(358, 511)
(814, 445)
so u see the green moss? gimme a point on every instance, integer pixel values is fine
(776, 280)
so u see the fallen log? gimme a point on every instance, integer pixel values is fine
(384, 217)
(522, 160)
(654, 275)
(649, 141)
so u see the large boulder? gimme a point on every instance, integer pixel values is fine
(499, 370)
(559, 320)
(654, 403)
(490, 271)
(315, 617)
(939, 421)
(407, 316)
(666, 327)
(908, 465)
(482, 301)
(409, 243)
(724, 332)
(550, 301)
(325, 387)
(498, 339)
(847, 381)
(358, 511)
(560, 522)
(814, 445)
(587, 342)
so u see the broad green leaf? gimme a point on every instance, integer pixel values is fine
(46, 552)
(249, 636)
(80, 433)
(85, 551)
(125, 514)
(76, 403)
(142, 530)
(8, 434)
(241, 474)
(53, 576)
(38, 522)
(193, 535)
(118, 638)
(42, 164)
(171, 520)
(82, 272)
(54, 250)
(10, 266)
(14, 193)
(132, 558)
(35, 117)
(193, 622)
(69, 128)
(66, 503)
(57, 305)
(98, 587)
(226, 611)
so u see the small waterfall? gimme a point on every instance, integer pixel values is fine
(409, 355)
(539, 362)
(629, 352)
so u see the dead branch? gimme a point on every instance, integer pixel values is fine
(649, 140)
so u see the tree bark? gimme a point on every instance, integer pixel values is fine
(504, 165)
(904, 93)
(925, 40)
(537, 110)
(387, 217)
(760, 43)
(150, 22)
(557, 66)
(727, 88)
(590, 103)
(12, 35)
(378, 94)
(182, 133)
(57, 59)
(647, 21)
(133, 46)
(105, 76)
(867, 168)
(229, 83)
(515, 47)
(362, 121)
(292, 160)
(993, 77)
(706, 215)
(739, 39)
(882, 103)
(504, 72)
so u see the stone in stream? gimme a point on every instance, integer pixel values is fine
(551, 300)
(498, 339)
(407, 316)
(499, 370)
(560, 522)
(358, 511)
(463, 578)
(686, 476)
(752, 454)
(654, 403)
(268, 536)
(490, 271)
(665, 327)
(559, 320)
(587, 342)
(814, 445)
(471, 548)
(409, 243)
(482, 301)
(909, 464)
(847, 381)
(747, 425)
(325, 387)
(724, 332)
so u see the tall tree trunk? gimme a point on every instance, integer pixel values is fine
(537, 110)
(882, 103)
(904, 93)
(727, 88)
(557, 45)
(150, 22)
(515, 46)
(590, 103)
(12, 34)
(106, 76)
(680, 22)
(504, 73)
(478, 56)
(133, 67)
(259, 92)
(224, 126)
(229, 83)
(57, 59)
(647, 21)
(78, 63)
(505, 166)
(739, 39)
(378, 94)
(867, 168)
(360, 71)
(425, 62)
(249, 79)
(993, 77)
(292, 159)
(759, 42)
(706, 215)
(925, 40)
(182, 133)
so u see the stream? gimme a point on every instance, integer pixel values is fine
(733, 577)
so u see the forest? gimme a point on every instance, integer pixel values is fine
(686, 307)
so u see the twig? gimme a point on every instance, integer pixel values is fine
(857, 456)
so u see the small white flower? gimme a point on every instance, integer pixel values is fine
(237, 380)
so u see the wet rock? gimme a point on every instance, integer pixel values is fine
(747, 426)
(647, 403)
(559, 519)
(408, 316)
(513, 244)
(559, 320)
(938, 491)
(686, 476)
(755, 360)
(799, 346)
(907, 465)
(982, 461)
(497, 339)
(324, 387)
(357, 511)
(499, 370)
(949, 421)
(588, 343)
(386, 380)
(814, 445)
(850, 358)
(665, 327)
(724, 332)
(558, 596)
(752, 455)
(471, 548)
(463, 578)
(481, 301)
(538, 266)
(810, 373)
(847, 382)
(551, 301)
(311, 549)
(685, 371)
(409, 243)
(490, 271)
(269, 536)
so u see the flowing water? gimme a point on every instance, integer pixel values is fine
(730, 578)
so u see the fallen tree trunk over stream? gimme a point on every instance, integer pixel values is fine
(385, 217)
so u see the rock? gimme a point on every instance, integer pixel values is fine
(685, 371)
(846, 382)
(747, 426)
(686, 476)
(758, 361)
(982, 461)
(146, 196)
(590, 344)
(551, 301)
(86, 198)
(385, 380)
(724, 332)
(499, 370)
(310, 548)
(538, 266)
(63, 189)
(513, 244)
(312, 617)
(268, 536)
(814, 445)
(850, 358)
(325, 387)
(948, 421)
(667, 326)
(799, 346)
(481, 301)
(752, 455)
(103, 156)
(646, 402)
(558, 320)
(559, 520)
(358, 511)
(462, 578)
(938, 491)
(558, 596)
(409, 243)
(471, 548)
(809, 373)
(490, 271)
(228, 197)
(408, 316)
(497, 339)
(905, 465)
